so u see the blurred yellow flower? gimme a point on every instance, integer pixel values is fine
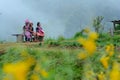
(109, 48)
(30, 60)
(104, 61)
(112, 47)
(82, 56)
(119, 56)
(111, 53)
(89, 46)
(93, 36)
(101, 76)
(17, 70)
(37, 68)
(35, 77)
(6, 78)
(44, 73)
(115, 72)
(81, 40)
(90, 75)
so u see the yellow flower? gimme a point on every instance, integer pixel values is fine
(104, 61)
(35, 77)
(111, 53)
(89, 75)
(44, 73)
(115, 72)
(93, 36)
(112, 47)
(119, 56)
(101, 76)
(38, 69)
(89, 46)
(17, 70)
(6, 78)
(81, 40)
(109, 48)
(82, 56)
(30, 60)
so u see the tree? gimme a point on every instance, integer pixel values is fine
(97, 23)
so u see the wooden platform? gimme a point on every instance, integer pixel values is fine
(19, 37)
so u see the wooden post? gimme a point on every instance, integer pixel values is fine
(114, 25)
(111, 32)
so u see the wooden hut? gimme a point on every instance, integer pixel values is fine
(116, 25)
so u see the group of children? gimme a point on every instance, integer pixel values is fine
(30, 34)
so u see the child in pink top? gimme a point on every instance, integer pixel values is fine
(26, 31)
(39, 32)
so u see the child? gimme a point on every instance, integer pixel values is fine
(39, 32)
(31, 30)
(26, 31)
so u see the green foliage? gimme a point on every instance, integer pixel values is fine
(97, 23)
(60, 38)
(49, 40)
(71, 44)
(78, 34)
(62, 42)
(60, 56)
(105, 38)
(1, 42)
(116, 40)
(60, 63)
(54, 43)
(117, 27)
(67, 44)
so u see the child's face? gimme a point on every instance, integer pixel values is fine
(31, 24)
(26, 23)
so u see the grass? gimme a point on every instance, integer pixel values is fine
(58, 59)
(61, 62)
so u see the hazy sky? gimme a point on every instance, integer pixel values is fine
(58, 17)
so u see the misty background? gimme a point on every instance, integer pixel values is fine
(57, 17)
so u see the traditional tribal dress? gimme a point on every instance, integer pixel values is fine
(27, 33)
(39, 31)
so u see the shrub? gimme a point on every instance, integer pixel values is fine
(60, 38)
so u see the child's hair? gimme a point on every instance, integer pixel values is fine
(30, 24)
(38, 23)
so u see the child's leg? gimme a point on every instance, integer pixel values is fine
(29, 39)
(25, 38)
